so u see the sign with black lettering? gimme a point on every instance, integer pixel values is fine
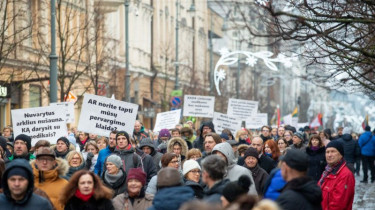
(199, 106)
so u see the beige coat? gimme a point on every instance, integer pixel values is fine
(122, 202)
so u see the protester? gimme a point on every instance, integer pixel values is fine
(229, 133)
(337, 181)
(76, 163)
(167, 160)
(82, 139)
(300, 191)
(233, 190)
(48, 170)
(298, 139)
(179, 147)
(288, 136)
(317, 160)
(8, 133)
(148, 164)
(175, 132)
(148, 147)
(274, 184)
(210, 141)
(193, 154)
(126, 152)
(104, 153)
(352, 150)
(114, 176)
(213, 170)
(10, 148)
(367, 144)
(139, 132)
(241, 137)
(260, 176)
(280, 132)
(102, 143)
(266, 133)
(134, 197)
(187, 133)
(192, 175)
(171, 194)
(282, 144)
(265, 162)
(62, 147)
(86, 191)
(161, 143)
(206, 127)
(241, 149)
(234, 171)
(271, 149)
(324, 137)
(22, 146)
(4, 151)
(18, 185)
(90, 154)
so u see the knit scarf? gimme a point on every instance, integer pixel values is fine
(83, 197)
(329, 169)
(112, 178)
(313, 148)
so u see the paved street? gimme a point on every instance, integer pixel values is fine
(364, 198)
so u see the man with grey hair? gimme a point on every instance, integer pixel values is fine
(213, 170)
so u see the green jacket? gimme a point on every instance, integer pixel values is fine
(31, 157)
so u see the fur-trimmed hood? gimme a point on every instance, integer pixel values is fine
(71, 147)
(184, 147)
(62, 167)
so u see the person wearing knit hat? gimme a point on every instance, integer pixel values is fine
(134, 197)
(234, 190)
(298, 141)
(260, 176)
(126, 152)
(164, 134)
(337, 181)
(18, 185)
(3, 144)
(114, 176)
(192, 175)
(22, 146)
(62, 147)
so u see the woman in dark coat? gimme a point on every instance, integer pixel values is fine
(85, 191)
(317, 160)
(114, 176)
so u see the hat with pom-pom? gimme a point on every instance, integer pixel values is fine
(234, 190)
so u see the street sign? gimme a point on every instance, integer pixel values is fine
(71, 97)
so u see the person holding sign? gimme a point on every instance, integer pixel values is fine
(126, 152)
(22, 146)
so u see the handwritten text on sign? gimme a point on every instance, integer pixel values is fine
(223, 121)
(199, 106)
(46, 123)
(167, 120)
(256, 121)
(242, 108)
(101, 115)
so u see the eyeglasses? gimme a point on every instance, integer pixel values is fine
(42, 159)
(195, 171)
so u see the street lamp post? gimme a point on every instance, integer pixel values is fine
(211, 57)
(127, 75)
(53, 56)
(177, 82)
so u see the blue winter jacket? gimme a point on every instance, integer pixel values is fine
(367, 149)
(274, 185)
(103, 154)
(172, 198)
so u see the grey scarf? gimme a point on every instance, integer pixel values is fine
(112, 178)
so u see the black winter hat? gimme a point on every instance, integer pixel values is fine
(337, 145)
(18, 171)
(24, 138)
(65, 140)
(251, 152)
(234, 190)
(367, 128)
(296, 159)
(123, 133)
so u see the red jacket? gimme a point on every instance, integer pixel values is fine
(338, 189)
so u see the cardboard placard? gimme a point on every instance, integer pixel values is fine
(257, 121)
(242, 109)
(69, 109)
(167, 120)
(223, 121)
(101, 115)
(199, 106)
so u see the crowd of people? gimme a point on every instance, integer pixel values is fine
(186, 168)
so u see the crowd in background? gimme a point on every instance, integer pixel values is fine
(186, 168)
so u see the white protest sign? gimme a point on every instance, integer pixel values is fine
(223, 121)
(101, 115)
(257, 121)
(199, 106)
(69, 109)
(167, 120)
(294, 122)
(242, 108)
(288, 119)
(46, 123)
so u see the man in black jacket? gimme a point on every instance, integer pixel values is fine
(351, 150)
(300, 191)
(206, 127)
(18, 186)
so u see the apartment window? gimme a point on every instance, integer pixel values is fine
(35, 96)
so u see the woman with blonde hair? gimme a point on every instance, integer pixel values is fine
(76, 163)
(86, 191)
(242, 136)
(90, 154)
